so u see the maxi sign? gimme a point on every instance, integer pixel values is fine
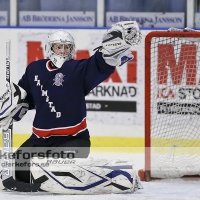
(177, 79)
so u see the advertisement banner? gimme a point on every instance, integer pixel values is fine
(3, 18)
(177, 83)
(148, 19)
(46, 18)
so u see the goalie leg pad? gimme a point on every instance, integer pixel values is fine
(85, 176)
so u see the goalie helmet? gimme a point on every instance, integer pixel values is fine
(60, 47)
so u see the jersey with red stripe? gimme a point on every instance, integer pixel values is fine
(58, 94)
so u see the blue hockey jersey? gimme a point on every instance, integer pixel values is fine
(58, 95)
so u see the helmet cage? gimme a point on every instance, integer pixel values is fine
(61, 49)
(64, 41)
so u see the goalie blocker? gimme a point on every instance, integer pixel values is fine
(12, 105)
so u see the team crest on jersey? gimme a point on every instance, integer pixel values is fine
(58, 80)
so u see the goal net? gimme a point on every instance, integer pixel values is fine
(172, 104)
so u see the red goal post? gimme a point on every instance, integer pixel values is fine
(172, 105)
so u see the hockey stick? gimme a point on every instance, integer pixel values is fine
(7, 163)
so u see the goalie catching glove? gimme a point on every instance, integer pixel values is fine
(118, 40)
(12, 105)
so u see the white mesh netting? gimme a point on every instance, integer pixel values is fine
(175, 107)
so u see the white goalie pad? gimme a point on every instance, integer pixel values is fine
(85, 176)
